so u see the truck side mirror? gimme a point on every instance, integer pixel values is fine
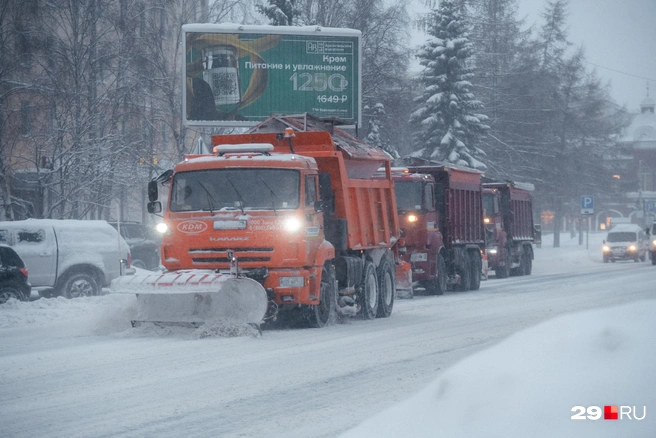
(152, 191)
(154, 207)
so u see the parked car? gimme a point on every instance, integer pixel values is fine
(625, 242)
(144, 243)
(71, 258)
(13, 276)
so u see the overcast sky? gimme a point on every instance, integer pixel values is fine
(619, 37)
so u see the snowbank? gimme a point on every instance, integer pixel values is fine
(529, 384)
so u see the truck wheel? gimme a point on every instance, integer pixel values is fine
(465, 273)
(80, 284)
(528, 263)
(438, 286)
(504, 271)
(476, 270)
(368, 297)
(387, 291)
(323, 314)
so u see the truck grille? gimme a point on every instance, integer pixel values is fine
(220, 255)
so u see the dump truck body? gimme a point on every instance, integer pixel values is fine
(443, 233)
(510, 228)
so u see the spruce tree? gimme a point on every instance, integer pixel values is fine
(449, 126)
(279, 12)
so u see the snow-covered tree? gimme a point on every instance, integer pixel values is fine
(449, 128)
(279, 12)
(377, 117)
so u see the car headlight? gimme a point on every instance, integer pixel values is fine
(605, 248)
(653, 242)
(491, 251)
(292, 281)
(632, 248)
(292, 224)
(419, 257)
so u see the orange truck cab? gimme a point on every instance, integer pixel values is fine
(298, 212)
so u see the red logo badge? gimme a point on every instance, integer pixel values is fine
(610, 412)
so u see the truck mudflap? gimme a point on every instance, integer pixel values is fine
(403, 282)
(194, 297)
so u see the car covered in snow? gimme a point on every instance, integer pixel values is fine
(70, 258)
(625, 242)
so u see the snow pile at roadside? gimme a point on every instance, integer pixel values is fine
(528, 384)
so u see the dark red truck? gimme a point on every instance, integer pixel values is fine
(509, 225)
(441, 216)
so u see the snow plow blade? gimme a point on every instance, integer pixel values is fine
(194, 297)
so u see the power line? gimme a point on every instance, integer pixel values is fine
(622, 72)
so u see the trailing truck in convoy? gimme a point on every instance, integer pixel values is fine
(284, 221)
(509, 226)
(441, 216)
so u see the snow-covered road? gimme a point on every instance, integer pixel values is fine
(74, 368)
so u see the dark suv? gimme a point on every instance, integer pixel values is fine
(13, 276)
(144, 243)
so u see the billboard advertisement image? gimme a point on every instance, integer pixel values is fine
(238, 75)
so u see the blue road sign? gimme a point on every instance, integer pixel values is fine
(587, 204)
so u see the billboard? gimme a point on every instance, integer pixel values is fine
(238, 75)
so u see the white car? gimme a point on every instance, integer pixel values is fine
(625, 242)
(71, 258)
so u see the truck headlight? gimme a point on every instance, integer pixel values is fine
(605, 248)
(292, 224)
(653, 242)
(419, 257)
(162, 227)
(632, 248)
(491, 251)
(292, 281)
(412, 218)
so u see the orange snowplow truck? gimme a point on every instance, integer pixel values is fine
(296, 211)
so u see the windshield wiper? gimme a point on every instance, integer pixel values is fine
(241, 200)
(273, 204)
(210, 199)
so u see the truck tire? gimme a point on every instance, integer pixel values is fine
(476, 265)
(504, 271)
(438, 286)
(79, 284)
(324, 313)
(465, 272)
(386, 289)
(368, 296)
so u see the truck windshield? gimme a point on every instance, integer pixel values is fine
(622, 237)
(408, 195)
(235, 189)
(488, 204)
